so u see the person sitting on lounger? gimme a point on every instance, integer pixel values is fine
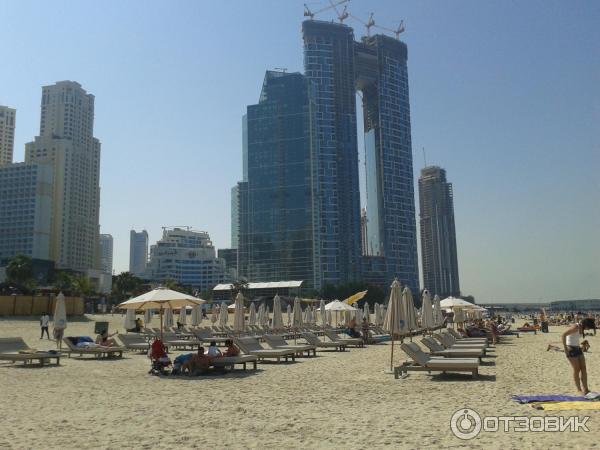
(351, 329)
(105, 340)
(197, 364)
(231, 350)
(213, 351)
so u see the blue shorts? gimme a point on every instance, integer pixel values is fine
(573, 352)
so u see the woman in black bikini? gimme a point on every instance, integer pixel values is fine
(570, 340)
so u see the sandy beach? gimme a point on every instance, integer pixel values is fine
(332, 401)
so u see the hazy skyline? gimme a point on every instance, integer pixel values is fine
(504, 95)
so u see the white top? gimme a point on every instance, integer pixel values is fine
(213, 351)
(573, 339)
(45, 320)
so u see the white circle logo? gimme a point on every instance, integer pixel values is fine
(465, 424)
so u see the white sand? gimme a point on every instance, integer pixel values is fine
(337, 400)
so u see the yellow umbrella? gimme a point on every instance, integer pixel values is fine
(356, 297)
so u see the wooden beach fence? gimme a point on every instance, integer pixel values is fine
(26, 305)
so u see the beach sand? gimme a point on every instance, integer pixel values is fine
(336, 400)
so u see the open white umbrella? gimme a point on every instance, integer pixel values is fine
(252, 314)
(337, 306)
(168, 322)
(394, 321)
(129, 319)
(183, 316)
(297, 313)
(147, 317)
(196, 315)
(453, 302)
(427, 318)
(277, 323)
(223, 315)
(323, 313)
(238, 315)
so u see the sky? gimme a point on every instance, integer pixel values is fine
(505, 95)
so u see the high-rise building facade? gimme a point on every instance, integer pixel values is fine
(106, 253)
(235, 216)
(26, 198)
(66, 141)
(138, 252)
(438, 233)
(278, 241)
(7, 134)
(187, 257)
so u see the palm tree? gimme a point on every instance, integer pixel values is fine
(19, 272)
(63, 281)
(126, 284)
(240, 285)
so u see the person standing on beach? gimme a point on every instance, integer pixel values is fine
(44, 322)
(570, 340)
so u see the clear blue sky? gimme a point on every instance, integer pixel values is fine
(505, 95)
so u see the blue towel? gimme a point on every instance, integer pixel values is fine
(547, 398)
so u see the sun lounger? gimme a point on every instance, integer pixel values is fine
(134, 342)
(15, 349)
(312, 339)
(173, 340)
(436, 349)
(204, 335)
(461, 338)
(449, 342)
(97, 352)
(231, 361)
(277, 341)
(358, 342)
(251, 346)
(423, 362)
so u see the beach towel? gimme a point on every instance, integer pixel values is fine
(547, 398)
(568, 406)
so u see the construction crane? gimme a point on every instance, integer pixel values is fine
(343, 15)
(312, 14)
(368, 24)
(397, 31)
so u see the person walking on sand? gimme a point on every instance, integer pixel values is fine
(570, 340)
(44, 322)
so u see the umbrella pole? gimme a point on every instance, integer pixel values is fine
(161, 323)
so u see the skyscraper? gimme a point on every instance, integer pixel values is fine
(235, 216)
(279, 229)
(438, 234)
(67, 142)
(138, 252)
(7, 134)
(106, 253)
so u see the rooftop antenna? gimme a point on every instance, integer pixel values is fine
(312, 14)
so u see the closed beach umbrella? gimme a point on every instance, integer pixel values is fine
(297, 313)
(183, 316)
(366, 312)
(261, 314)
(328, 317)
(147, 317)
(323, 313)
(196, 315)
(277, 323)
(168, 322)
(215, 314)
(359, 316)
(409, 310)
(238, 315)
(427, 319)
(223, 315)
(252, 314)
(266, 316)
(306, 315)
(394, 320)
(289, 314)
(437, 312)
(129, 319)
(59, 319)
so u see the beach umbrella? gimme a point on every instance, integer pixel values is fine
(366, 313)
(394, 321)
(59, 319)
(437, 312)
(129, 319)
(161, 298)
(183, 316)
(252, 314)
(277, 323)
(338, 306)
(266, 316)
(215, 314)
(223, 315)
(328, 317)
(297, 313)
(196, 315)
(453, 302)
(459, 315)
(356, 297)
(168, 317)
(427, 318)
(289, 314)
(261, 314)
(359, 316)
(238, 315)
(409, 310)
(147, 317)
(323, 313)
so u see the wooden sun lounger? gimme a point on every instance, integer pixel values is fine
(277, 341)
(204, 335)
(449, 342)
(312, 339)
(436, 349)
(358, 342)
(15, 349)
(423, 362)
(459, 338)
(97, 352)
(173, 340)
(134, 342)
(251, 346)
(231, 361)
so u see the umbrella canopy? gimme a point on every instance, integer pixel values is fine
(148, 317)
(252, 315)
(161, 298)
(168, 321)
(238, 315)
(427, 318)
(409, 309)
(289, 314)
(336, 305)
(261, 314)
(356, 297)
(60, 313)
(183, 316)
(196, 315)
(437, 312)
(297, 313)
(453, 302)
(394, 321)
(223, 315)
(129, 319)
(323, 313)
(277, 317)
